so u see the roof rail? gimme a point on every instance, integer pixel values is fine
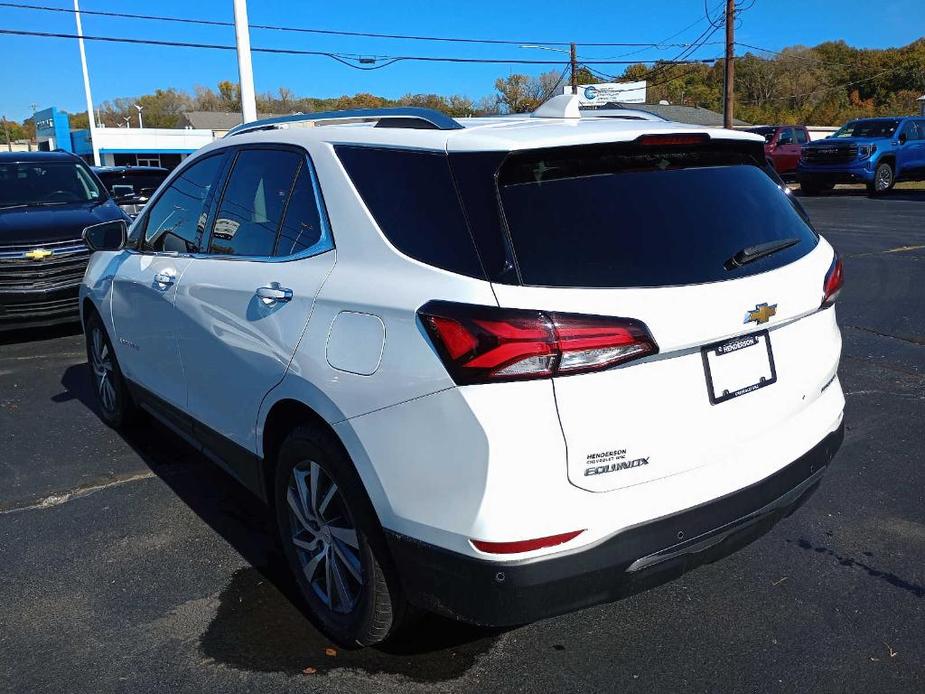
(426, 117)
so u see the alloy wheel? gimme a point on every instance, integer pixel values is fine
(103, 372)
(325, 538)
(884, 178)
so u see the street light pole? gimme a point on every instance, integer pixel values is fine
(573, 54)
(83, 64)
(245, 70)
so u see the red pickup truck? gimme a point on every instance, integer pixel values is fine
(782, 146)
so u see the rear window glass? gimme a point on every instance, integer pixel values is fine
(413, 199)
(611, 218)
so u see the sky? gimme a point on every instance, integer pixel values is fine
(46, 71)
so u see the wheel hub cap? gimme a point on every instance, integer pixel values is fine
(324, 537)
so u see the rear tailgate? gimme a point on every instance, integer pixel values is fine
(654, 238)
(653, 418)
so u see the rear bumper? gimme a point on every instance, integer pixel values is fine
(505, 593)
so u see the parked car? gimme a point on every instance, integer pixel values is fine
(877, 152)
(46, 200)
(782, 145)
(521, 385)
(131, 186)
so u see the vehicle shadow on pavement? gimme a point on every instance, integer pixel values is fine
(55, 332)
(907, 195)
(258, 624)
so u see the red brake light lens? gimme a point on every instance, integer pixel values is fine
(485, 344)
(673, 140)
(524, 545)
(834, 280)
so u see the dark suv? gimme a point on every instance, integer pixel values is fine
(46, 200)
(131, 186)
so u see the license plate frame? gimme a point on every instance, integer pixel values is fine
(718, 350)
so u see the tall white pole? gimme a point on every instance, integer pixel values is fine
(245, 70)
(83, 64)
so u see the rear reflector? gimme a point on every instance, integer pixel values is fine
(486, 344)
(524, 545)
(834, 280)
(673, 140)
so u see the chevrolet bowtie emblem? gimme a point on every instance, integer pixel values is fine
(38, 254)
(761, 314)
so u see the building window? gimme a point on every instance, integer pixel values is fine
(148, 159)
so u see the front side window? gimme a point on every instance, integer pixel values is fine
(785, 137)
(254, 201)
(913, 130)
(46, 183)
(176, 220)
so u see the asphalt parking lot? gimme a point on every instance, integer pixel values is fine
(132, 564)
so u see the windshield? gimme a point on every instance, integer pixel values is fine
(142, 184)
(34, 184)
(881, 127)
(766, 132)
(596, 219)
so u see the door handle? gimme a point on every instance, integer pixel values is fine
(273, 294)
(164, 278)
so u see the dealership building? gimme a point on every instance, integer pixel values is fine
(165, 147)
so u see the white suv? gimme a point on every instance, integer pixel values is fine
(499, 369)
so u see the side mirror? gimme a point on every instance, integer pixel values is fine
(106, 236)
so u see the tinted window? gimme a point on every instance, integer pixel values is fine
(412, 197)
(604, 218)
(302, 226)
(785, 137)
(802, 137)
(143, 184)
(766, 131)
(878, 127)
(177, 218)
(913, 130)
(252, 205)
(35, 184)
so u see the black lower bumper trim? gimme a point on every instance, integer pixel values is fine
(506, 594)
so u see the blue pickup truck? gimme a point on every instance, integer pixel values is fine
(875, 151)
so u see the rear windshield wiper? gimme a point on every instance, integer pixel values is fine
(762, 250)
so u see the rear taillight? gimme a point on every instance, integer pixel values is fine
(834, 279)
(485, 344)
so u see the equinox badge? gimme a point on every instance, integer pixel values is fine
(761, 314)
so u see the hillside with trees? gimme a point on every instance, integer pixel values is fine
(826, 84)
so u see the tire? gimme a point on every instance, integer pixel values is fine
(115, 404)
(334, 545)
(884, 180)
(809, 189)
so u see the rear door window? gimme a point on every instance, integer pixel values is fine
(802, 136)
(619, 216)
(252, 206)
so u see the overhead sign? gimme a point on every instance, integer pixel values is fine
(600, 94)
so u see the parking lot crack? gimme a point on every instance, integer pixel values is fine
(59, 498)
(914, 340)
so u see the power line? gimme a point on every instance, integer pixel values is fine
(342, 57)
(328, 32)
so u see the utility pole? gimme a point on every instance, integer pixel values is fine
(245, 70)
(6, 131)
(83, 63)
(574, 60)
(729, 87)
